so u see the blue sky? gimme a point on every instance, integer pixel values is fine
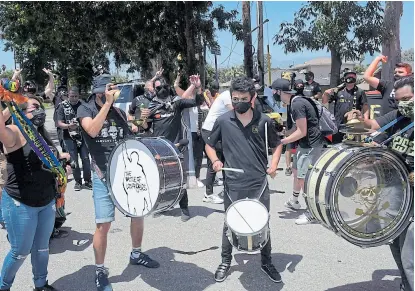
(276, 12)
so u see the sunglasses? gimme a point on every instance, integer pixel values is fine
(158, 88)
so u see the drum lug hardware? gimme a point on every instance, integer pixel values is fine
(411, 219)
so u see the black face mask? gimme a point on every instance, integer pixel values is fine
(241, 107)
(39, 117)
(277, 97)
(163, 92)
(350, 80)
(397, 77)
(308, 78)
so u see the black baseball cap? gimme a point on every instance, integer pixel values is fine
(283, 85)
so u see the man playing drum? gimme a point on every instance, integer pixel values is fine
(403, 144)
(242, 132)
(97, 116)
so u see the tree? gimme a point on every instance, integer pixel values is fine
(75, 36)
(344, 28)
(391, 45)
(407, 55)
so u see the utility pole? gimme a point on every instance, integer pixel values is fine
(246, 21)
(260, 54)
(269, 66)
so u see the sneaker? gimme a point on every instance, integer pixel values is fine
(47, 287)
(200, 184)
(215, 199)
(288, 171)
(218, 182)
(88, 185)
(144, 260)
(78, 186)
(222, 272)
(185, 214)
(101, 280)
(272, 273)
(293, 205)
(305, 218)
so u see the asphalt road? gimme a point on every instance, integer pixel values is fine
(309, 258)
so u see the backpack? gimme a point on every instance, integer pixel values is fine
(326, 120)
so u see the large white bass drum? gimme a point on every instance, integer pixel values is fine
(361, 193)
(145, 176)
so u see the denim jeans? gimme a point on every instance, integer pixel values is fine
(82, 151)
(29, 230)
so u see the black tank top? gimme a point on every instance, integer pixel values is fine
(29, 181)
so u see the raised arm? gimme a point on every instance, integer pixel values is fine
(8, 135)
(370, 71)
(93, 126)
(51, 83)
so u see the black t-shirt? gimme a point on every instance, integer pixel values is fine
(388, 96)
(28, 180)
(66, 115)
(137, 102)
(166, 118)
(244, 148)
(115, 128)
(403, 145)
(301, 108)
(345, 101)
(312, 89)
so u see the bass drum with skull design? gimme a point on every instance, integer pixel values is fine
(145, 176)
(362, 194)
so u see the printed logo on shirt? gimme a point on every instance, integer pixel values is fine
(403, 146)
(255, 129)
(392, 95)
(110, 132)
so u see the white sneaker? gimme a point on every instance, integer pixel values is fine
(215, 199)
(293, 205)
(200, 184)
(218, 182)
(305, 218)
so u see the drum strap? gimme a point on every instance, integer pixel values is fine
(382, 129)
(263, 187)
(409, 126)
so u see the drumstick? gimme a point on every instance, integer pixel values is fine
(233, 170)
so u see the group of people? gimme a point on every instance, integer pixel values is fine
(231, 129)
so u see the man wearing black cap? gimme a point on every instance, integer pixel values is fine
(97, 118)
(348, 100)
(309, 137)
(311, 88)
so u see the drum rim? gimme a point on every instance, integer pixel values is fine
(341, 148)
(335, 218)
(174, 149)
(109, 184)
(253, 233)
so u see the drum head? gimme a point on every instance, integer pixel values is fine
(133, 178)
(247, 216)
(371, 198)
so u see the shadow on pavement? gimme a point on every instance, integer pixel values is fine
(74, 241)
(253, 278)
(194, 212)
(172, 274)
(82, 279)
(377, 283)
(290, 214)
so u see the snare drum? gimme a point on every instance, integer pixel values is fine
(247, 222)
(145, 176)
(362, 194)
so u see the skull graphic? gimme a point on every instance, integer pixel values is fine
(113, 132)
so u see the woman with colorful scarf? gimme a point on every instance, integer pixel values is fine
(28, 199)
